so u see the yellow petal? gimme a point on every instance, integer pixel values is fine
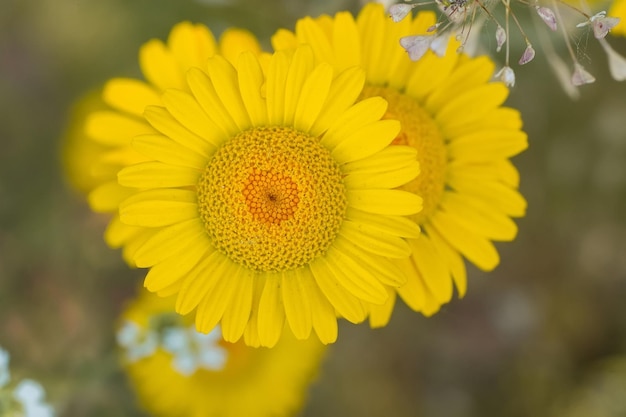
(160, 207)
(369, 239)
(391, 225)
(159, 66)
(388, 202)
(346, 41)
(157, 175)
(170, 240)
(475, 248)
(275, 87)
(251, 80)
(169, 272)
(107, 197)
(389, 179)
(186, 122)
(237, 312)
(432, 268)
(164, 149)
(380, 314)
(343, 92)
(297, 304)
(322, 312)
(130, 95)
(224, 78)
(198, 282)
(271, 311)
(345, 303)
(452, 259)
(114, 129)
(212, 307)
(299, 70)
(313, 96)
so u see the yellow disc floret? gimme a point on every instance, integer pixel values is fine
(272, 199)
(421, 132)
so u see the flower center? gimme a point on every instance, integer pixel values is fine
(420, 131)
(272, 199)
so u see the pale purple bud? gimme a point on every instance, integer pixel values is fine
(500, 38)
(506, 75)
(547, 15)
(399, 11)
(417, 45)
(581, 76)
(603, 25)
(433, 28)
(440, 44)
(528, 55)
(617, 63)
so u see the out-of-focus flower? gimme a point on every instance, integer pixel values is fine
(194, 374)
(25, 399)
(453, 116)
(256, 194)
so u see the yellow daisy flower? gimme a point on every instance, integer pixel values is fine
(453, 116)
(176, 371)
(618, 9)
(263, 195)
(99, 138)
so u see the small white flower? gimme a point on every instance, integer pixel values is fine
(138, 342)
(31, 395)
(548, 16)
(581, 76)
(500, 38)
(528, 55)
(416, 46)
(506, 75)
(440, 45)
(399, 11)
(193, 350)
(5, 374)
(601, 24)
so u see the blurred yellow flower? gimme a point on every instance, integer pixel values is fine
(176, 371)
(453, 116)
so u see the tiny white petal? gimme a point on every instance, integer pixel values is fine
(127, 334)
(440, 44)
(416, 46)
(399, 11)
(185, 364)
(175, 339)
(506, 75)
(562, 72)
(500, 38)
(527, 56)
(28, 391)
(548, 16)
(581, 76)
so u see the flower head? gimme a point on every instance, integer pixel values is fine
(259, 194)
(196, 374)
(453, 116)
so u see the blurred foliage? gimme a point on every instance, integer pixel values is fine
(543, 335)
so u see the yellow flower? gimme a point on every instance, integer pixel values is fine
(453, 116)
(176, 371)
(262, 195)
(99, 138)
(618, 9)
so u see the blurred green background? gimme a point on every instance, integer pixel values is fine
(542, 335)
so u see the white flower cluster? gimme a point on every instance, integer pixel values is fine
(461, 15)
(190, 349)
(26, 399)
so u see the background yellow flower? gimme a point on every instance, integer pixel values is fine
(177, 371)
